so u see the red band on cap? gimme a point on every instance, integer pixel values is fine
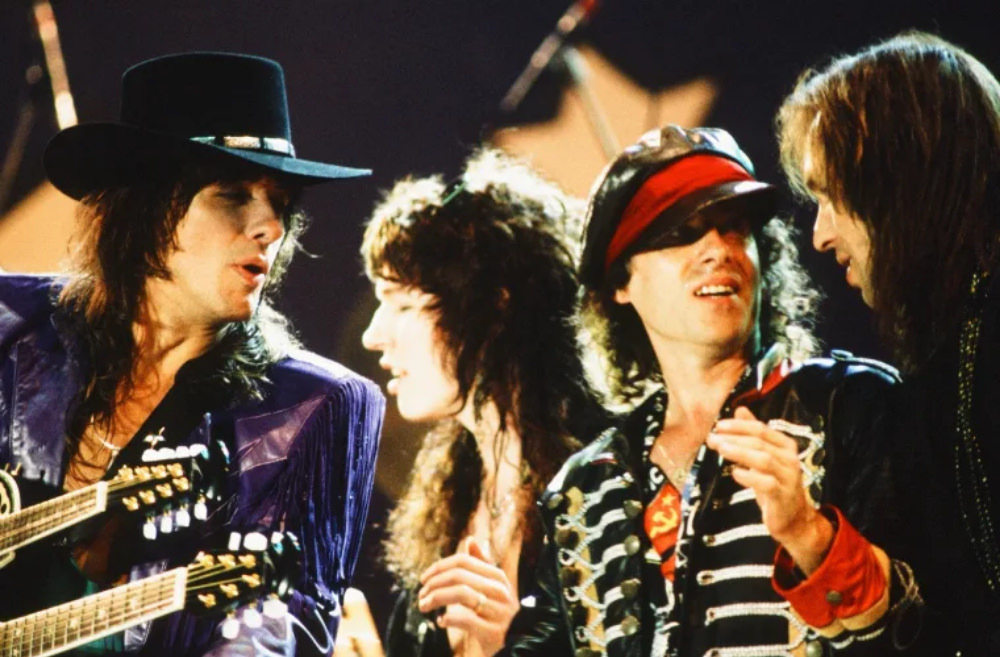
(666, 187)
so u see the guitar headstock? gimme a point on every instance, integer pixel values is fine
(253, 568)
(176, 482)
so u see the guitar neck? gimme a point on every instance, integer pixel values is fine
(41, 520)
(75, 623)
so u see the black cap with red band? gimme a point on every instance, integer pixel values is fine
(665, 178)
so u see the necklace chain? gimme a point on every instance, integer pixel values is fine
(111, 447)
(104, 444)
(496, 505)
(677, 473)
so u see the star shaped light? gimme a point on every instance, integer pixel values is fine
(569, 147)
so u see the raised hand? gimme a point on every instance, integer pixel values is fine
(476, 595)
(767, 461)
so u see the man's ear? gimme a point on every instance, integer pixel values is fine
(622, 296)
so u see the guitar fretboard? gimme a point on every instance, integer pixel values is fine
(40, 520)
(81, 621)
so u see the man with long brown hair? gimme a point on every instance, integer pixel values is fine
(162, 333)
(736, 509)
(899, 146)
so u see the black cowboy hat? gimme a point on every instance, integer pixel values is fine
(188, 106)
(656, 150)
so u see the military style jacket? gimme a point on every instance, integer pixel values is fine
(601, 573)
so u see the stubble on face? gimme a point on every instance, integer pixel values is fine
(703, 296)
(221, 255)
(838, 229)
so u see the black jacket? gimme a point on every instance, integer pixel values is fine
(963, 611)
(600, 574)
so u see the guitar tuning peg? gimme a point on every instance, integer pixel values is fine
(235, 538)
(149, 529)
(252, 618)
(166, 523)
(274, 608)
(200, 509)
(255, 542)
(230, 628)
(183, 517)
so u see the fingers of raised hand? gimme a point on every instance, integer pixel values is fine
(462, 587)
(485, 619)
(463, 561)
(764, 484)
(474, 600)
(754, 428)
(756, 453)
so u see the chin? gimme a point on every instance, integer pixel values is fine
(240, 316)
(416, 414)
(422, 410)
(244, 311)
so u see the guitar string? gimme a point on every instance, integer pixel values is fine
(35, 518)
(152, 600)
(26, 518)
(136, 602)
(89, 611)
(125, 596)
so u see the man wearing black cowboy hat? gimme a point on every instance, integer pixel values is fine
(726, 514)
(163, 333)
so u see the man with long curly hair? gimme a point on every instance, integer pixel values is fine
(899, 146)
(477, 288)
(728, 513)
(163, 335)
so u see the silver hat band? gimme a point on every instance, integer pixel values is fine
(249, 143)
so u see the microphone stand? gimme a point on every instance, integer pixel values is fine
(555, 49)
(48, 34)
(576, 67)
(23, 124)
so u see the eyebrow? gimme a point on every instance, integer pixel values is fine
(282, 197)
(279, 195)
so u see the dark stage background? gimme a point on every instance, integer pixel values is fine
(411, 87)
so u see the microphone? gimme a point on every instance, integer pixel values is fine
(577, 14)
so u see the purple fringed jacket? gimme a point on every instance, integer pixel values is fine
(302, 459)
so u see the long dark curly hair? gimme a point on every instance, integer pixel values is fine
(908, 136)
(787, 315)
(495, 249)
(124, 239)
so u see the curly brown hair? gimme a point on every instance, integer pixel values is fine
(124, 238)
(495, 249)
(907, 134)
(787, 315)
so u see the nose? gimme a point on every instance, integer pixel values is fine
(713, 246)
(823, 228)
(266, 226)
(373, 338)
